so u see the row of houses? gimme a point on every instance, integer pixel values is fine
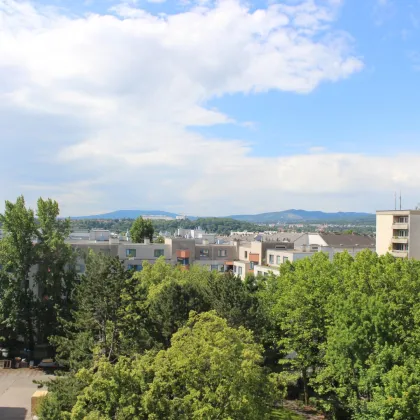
(256, 254)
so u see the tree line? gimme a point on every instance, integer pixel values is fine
(221, 226)
(341, 335)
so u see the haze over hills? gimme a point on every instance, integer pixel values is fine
(128, 214)
(291, 215)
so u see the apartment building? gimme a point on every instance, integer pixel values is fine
(178, 250)
(306, 245)
(398, 232)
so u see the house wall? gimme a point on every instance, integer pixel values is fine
(260, 270)
(242, 266)
(414, 236)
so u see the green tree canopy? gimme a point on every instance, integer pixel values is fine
(141, 229)
(211, 371)
(95, 327)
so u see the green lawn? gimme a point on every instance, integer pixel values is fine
(284, 414)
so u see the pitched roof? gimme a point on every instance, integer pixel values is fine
(346, 241)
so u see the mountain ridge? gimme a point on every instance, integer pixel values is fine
(291, 215)
(296, 215)
(127, 214)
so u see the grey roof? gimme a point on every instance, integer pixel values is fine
(276, 237)
(344, 240)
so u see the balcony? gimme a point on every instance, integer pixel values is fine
(399, 254)
(254, 258)
(183, 253)
(400, 226)
(400, 240)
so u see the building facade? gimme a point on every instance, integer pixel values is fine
(398, 232)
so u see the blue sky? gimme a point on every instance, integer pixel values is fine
(211, 107)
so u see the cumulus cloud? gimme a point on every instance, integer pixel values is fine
(98, 109)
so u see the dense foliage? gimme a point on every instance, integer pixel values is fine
(37, 273)
(141, 229)
(168, 343)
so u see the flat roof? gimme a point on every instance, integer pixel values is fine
(398, 212)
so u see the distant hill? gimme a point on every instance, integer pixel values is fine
(302, 216)
(273, 217)
(128, 214)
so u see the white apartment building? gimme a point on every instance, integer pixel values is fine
(398, 232)
(306, 245)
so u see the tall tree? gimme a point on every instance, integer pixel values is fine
(141, 229)
(56, 276)
(18, 255)
(211, 371)
(96, 324)
(299, 309)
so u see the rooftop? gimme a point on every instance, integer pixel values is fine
(343, 240)
(398, 212)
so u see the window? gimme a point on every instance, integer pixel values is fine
(271, 259)
(402, 219)
(130, 253)
(403, 233)
(159, 253)
(234, 268)
(285, 259)
(280, 246)
(221, 253)
(251, 265)
(278, 260)
(401, 247)
(240, 271)
(183, 261)
(214, 267)
(259, 273)
(246, 254)
(135, 267)
(80, 268)
(314, 248)
(204, 252)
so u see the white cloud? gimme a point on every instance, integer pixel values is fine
(97, 109)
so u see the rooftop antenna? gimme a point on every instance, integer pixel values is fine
(400, 201)
(395, 199)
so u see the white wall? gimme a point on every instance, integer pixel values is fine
(384, 233)
(265, 271)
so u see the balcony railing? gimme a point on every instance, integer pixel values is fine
(401, 226)
(399, 254)
(400, 239)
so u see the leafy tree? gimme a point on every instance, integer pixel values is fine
(160, 240)
(96, 323)
(210, 371)
(55, 275)
(374, 334)
(62, 396)
(297, 306)
(159, 299)
(233, 300)
(114, 391)
(17, 258)
(141, 229)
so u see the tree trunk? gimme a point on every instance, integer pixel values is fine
(305, 386)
